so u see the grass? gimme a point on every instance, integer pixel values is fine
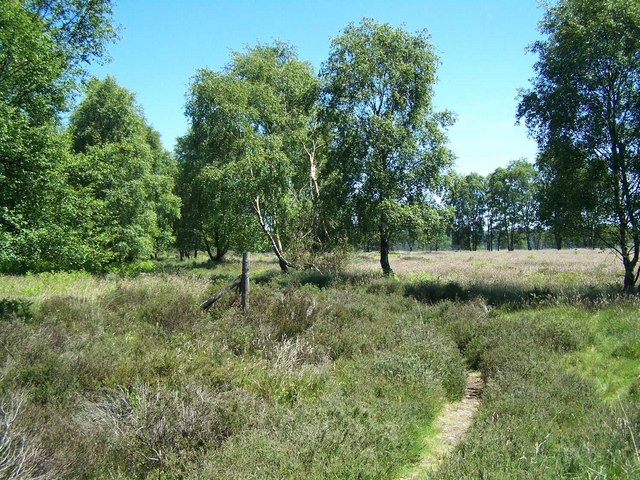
(612, 358)
(328, 376)
(545, 269)
(540, 419)
(129, 378)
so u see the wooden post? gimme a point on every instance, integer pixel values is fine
(245, 281)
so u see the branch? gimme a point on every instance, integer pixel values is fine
(609, 244)
(206, 305)
(274, 244)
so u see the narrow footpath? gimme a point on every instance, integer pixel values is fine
(451, 427)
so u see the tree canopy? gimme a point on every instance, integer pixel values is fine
(584, 98)
(44, 46)
(127, 175)
(388, 145)
(278, 157)
(246, 150)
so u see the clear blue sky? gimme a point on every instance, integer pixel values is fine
(481, 44)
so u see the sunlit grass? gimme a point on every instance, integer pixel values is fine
(329, 375)
(612, 359)
(546, 268)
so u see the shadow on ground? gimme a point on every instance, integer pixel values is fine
(508, 296)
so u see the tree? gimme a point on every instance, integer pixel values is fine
(501, 225)
(524, 183)
(122, 166)
(253, 146)
(43, 220)
(466, 196)
(44, 45)
(586, 95)
(43, 48)
(570, 211)
(389, 146)
(512, 203)
(216, 214)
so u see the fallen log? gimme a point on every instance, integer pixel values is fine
(206, 305)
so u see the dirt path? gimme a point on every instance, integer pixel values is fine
(451, 426)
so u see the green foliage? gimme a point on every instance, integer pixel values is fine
(389, 145)
(569, 210)
(11, 309)
(46, 229)
(466, 195)
(43, 47)
(34, 64)
(100, 194)
(243, 164)
(583, 105)
(125, 173)
(512, 204)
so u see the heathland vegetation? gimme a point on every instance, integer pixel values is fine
(328, 375)
(109, 368)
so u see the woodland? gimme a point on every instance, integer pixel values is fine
(307, 165)
(382, 280)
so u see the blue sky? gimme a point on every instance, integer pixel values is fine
(481, 45)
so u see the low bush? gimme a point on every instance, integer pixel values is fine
(538, 420)
(15, 309)
(128, 378)
(144, 429)
(326, 376)
(20, 456)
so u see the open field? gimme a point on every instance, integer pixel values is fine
(335, 375)
(569, 268)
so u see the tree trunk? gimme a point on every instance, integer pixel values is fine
(276, 245)
(384, 254)
(282, 263)
(207, 248)
(558, 239)
(629, 275)
(220, 253)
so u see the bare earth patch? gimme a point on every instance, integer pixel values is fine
(451, 425)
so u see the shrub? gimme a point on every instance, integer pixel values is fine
(20, 457)
(141, 429)
(15, 309)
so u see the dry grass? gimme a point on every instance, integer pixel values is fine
(327, 376)
(546, 268)
(537, 268)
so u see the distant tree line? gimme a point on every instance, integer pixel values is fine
(306, 165)
(519, 206)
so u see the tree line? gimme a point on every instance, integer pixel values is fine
(89, 192)
(280, 158)
(517, 206)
